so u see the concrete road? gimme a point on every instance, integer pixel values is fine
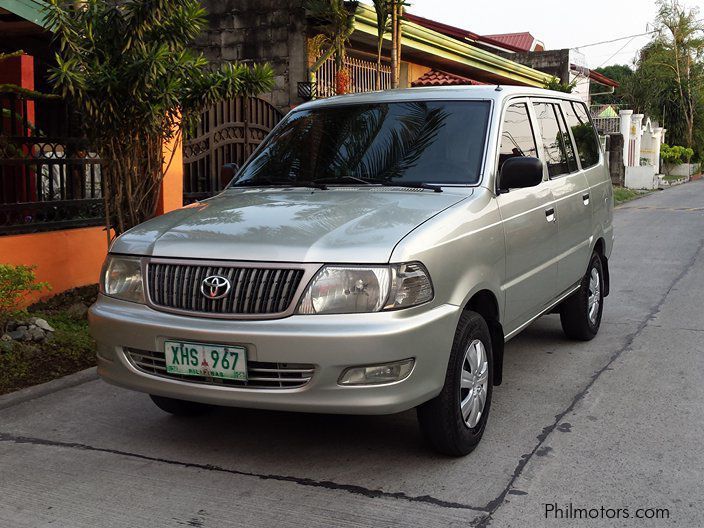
(616, 423)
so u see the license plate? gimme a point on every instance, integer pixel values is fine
(201, 359)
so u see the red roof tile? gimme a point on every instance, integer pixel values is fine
(457, 33)
(520, 41)
(441, 78)
(445, 29)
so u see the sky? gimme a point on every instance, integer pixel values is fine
(559, 24)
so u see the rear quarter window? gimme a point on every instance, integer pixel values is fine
(583, 132)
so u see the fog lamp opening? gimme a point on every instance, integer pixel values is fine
(377, 374)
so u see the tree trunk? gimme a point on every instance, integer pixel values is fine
(132, 174)
(377, 81)
(394, 43)
(399, 39)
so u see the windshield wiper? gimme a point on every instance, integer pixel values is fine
(412, 185)
(335, 179)
(386, 183)
(320, 183)
(266, 182)
(309, 183)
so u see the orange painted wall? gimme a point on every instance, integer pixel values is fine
(65, 259)
(172, 186)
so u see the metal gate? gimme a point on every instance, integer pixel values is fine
(49, 176)
(227, 133)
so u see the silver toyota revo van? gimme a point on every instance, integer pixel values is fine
(373, 255)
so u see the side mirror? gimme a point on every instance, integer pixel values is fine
(520, 172)
(227, 172)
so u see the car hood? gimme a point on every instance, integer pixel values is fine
(351, 225)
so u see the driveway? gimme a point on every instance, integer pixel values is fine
(616, 423)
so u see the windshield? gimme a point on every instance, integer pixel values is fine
(400, 143)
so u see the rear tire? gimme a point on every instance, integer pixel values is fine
(580, 315)
(180, 407)
(454, 421)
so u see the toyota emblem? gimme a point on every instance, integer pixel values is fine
(215, 286)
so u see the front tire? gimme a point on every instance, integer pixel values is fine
(180, 407)
(580, 315)
(454, 421)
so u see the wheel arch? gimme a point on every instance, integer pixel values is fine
(600, 248)
(485, 303)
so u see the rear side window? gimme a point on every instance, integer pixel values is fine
(555, 141)
(517, 138)
(583, 132)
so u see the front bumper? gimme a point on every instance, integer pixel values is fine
(330, 342)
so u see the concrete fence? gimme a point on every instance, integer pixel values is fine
(641, 150)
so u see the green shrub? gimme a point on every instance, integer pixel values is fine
(16, 282)
(558, 86)
(674, 155)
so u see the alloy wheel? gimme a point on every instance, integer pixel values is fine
(594, 297)
(474, 383)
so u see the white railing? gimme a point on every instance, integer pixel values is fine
(607, 125)
(362, 76)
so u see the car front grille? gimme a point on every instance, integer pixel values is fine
(254, 291)
(261, 375)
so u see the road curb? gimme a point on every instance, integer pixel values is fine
(37, 391)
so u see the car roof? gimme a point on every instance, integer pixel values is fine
(486, 92)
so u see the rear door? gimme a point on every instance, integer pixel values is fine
(529, 224)
(592, 162)
(570, 190)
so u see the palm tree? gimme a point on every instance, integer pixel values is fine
(383, 11)
(397, 8)
(336, 22)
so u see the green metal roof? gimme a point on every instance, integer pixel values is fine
(608, 112)
(31, 10)
(426, 40)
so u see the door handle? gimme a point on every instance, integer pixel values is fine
(585, 198)
(550, 214)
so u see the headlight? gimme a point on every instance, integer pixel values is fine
(363, 289)
(122, 278)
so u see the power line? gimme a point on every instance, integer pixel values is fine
(616, 39)
(619, 50)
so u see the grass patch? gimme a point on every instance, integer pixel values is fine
(672, 178)
(71, 348)
(622, 195)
